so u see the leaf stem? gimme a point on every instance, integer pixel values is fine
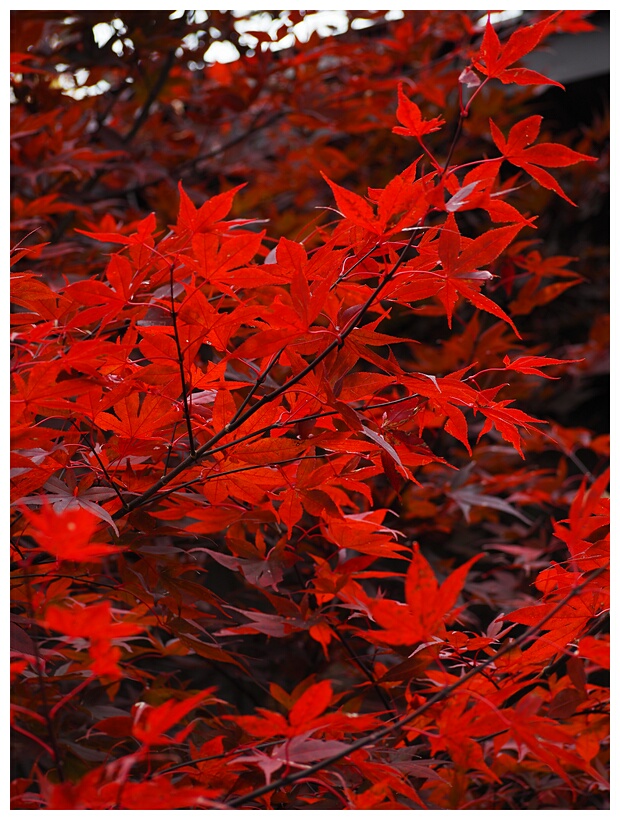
(56, 757)
(184, 390)
(349, 650)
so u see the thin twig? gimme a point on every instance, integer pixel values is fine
(108, 478)
(45, 708)
(463, 114)
(455, 138)
(264, 745)
(359, 261)
(365, 670)
(191, 166)
(259, 381)
(247, 468)
(184, 390)
(169, 453)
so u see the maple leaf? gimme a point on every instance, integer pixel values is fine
(362, 532)
(139, 421)
(298, 751)
(138, 237)
(506, 420)
(573, 21)
(549, 154)
(353, 207)
(95, 623)
(67, 534)
(457, 729)
(43, 390)
(204, 219)
(494, 59)
(225, 261)
(586, 531)
(412, 122)
(550, 743)
(531, 364)
(477, 191)
(468, 497)
(62, 498)
(403, 200)
(150, 723)
(427, 605)
(462, 269)
(264, 573)
(386, 779)
(100, 789)
(312, 703)
(275, 625)
(595, 650)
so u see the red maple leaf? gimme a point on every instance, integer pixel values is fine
(410, 116)
(428, 605)
(150, 723)
(68, 534)
(95, 623)
(531, 364)
(549, 154)
(462, 270)
(139, 421)
(494, 59)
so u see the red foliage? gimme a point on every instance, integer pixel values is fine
(291, 527)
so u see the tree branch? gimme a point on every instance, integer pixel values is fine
(152, 96)
(238, 420)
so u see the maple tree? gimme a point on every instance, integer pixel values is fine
(294, 522)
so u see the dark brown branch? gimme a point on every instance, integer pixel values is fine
(191, 165)
(257, 384)
(265, 745)
(64, 223)
(169, 453)
(153, 94)
(245, 469)
(357, 262)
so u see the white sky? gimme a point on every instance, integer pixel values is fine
(323, 21)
